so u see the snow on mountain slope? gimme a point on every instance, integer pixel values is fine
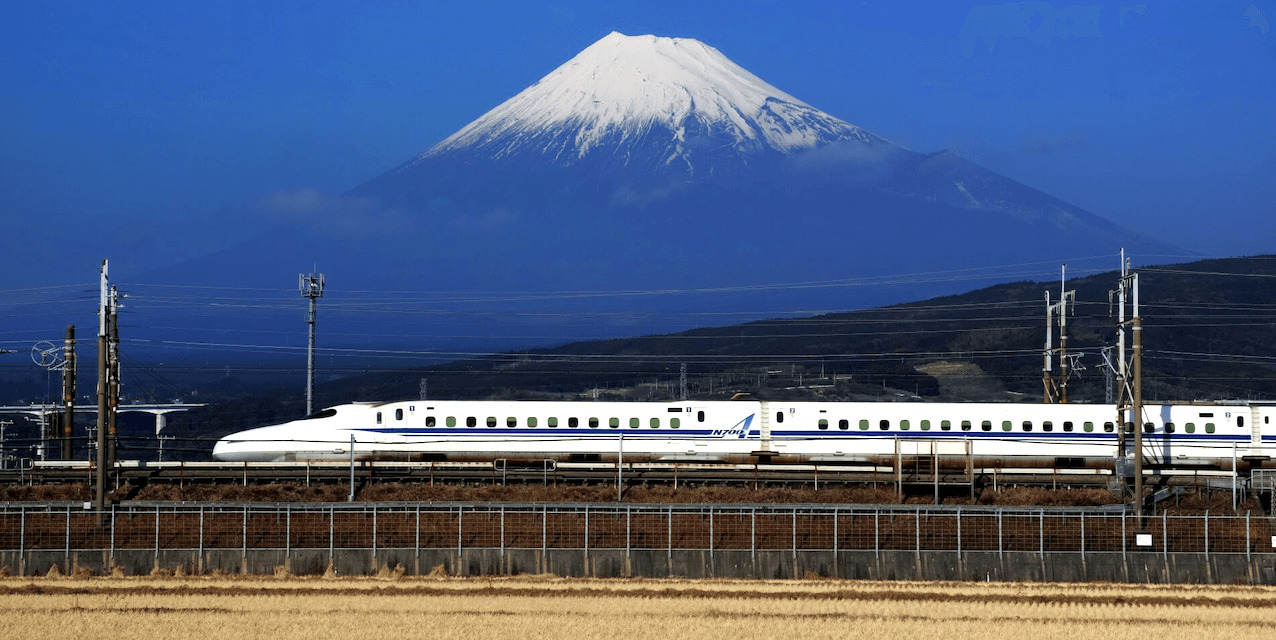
(639, 95)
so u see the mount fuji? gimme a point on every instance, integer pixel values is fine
(647, 164)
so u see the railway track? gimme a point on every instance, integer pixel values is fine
(910, 480)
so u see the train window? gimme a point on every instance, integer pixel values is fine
(1108, 427)
(903, 425)
(1047, 426)
(1207, 415)
(511, 422)
(884, 425)
(613, 422)
(1067, 426)
(429, 421)
(925, 425)
(945, 425)
(863, 425)
(1169, 427)
(531, 422)
(1129, 427)
(451, 421)
(699, 416)
(378, 417)
(655, 423)
(593, 423)
(965, 425)
(1087, 426)
(779, 416)
(398, 414)
(634, 423)
(986, 425)
(674, 423)
(1240, 421)
(471, 421)
(843, 424)
(572, 423)
(1027, 425)
(824, 424)
(1148, 427)
(1007, 426)
(1189, 427)
(552, 422)
(491, 421)
(1209, 427)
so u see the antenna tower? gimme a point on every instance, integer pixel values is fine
(311, 287)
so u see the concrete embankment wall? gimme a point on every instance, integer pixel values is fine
(1136, 567)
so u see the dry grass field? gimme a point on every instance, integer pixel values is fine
(574, 609)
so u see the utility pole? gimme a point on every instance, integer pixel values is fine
(99, 492)
(311, 287)
(1056, 391)
(113, 379)
(1130, 385)
(68, 394)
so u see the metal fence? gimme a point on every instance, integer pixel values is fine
(332, 527)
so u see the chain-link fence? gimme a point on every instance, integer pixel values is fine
(169, 527)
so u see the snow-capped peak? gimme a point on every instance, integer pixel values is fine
(648, 90)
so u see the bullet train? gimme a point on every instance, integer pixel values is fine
(1195, 435)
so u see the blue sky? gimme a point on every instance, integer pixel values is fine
(129, 124)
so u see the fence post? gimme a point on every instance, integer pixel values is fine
(958, 535)
(545, 538)
(1041, 534)
(67, 540)
(112, 556)
(1083, 540)
(628, 529)
(1123, 534)
(1247, 536)
(157, 528)
(288, 536)
(332, 516)
(1165, 534)
(669, 540)
(1207, 535)
(877, 529)
(917, 538)
(587, 538)
(200, 560)
(460, 523)
(1001, 539)
(243, 549)
(22, 538)
(837, 573)
(795, 542)
(416, 545)
(753, 535)
(710, 540)
(375, 509)
(502, 538)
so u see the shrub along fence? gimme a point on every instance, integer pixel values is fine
(642, 540)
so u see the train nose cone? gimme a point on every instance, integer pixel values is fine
(221, 451)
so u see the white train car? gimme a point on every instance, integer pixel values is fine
(465, 430)
(985, 434)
